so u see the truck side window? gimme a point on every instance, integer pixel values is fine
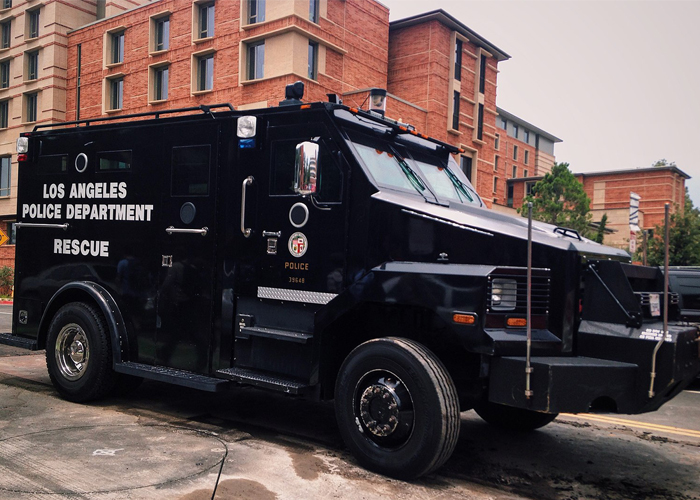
(330, 181)
(190, 171)
(52, 164)
(113, 160)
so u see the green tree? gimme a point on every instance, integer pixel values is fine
(663, 163)
(600, 234)
(559, 199)
(683, 239)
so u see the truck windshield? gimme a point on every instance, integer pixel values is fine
(446, 182)
(396, 166)
(389, 169)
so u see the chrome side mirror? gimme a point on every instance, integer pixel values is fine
(306, 168)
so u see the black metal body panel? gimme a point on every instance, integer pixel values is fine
(280, 302)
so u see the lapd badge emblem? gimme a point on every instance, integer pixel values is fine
(298, 244)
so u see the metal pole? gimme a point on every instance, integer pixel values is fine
(644, 247)
(665, 312)
(528, 367)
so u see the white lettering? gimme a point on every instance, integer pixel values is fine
(42, 211)
(54, 191)
(93, 248)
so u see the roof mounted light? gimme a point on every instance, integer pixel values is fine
(246, 127)
(22, 145)
(377, 101)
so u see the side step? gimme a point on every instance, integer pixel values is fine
(172, 376)
(256, 331)
(15, 341)
(257, 379)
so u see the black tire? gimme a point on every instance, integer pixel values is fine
(79, 353)
(509, 417)
(397, 408)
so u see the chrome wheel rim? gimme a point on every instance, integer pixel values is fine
(72, 351)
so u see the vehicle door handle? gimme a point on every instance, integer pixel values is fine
(48, 226)
(174, 230)
(246, 182)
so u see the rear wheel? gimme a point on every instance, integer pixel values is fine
(79, 354)
(509, 417)
(397, 408)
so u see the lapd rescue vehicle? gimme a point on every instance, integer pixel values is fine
(326, 252)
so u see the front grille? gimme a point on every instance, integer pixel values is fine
(539, 297)
(644, 300)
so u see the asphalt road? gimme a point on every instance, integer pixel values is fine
(169, 442)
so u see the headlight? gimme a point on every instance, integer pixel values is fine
(504, 294)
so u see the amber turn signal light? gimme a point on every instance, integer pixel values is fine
(464, 319)
(522, 322)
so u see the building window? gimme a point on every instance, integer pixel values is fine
(528, 188)
(495, 163)
(116, 93)
(480, 123)
(495, 184)
(509, 201)
(314, 10)
(515, 130)
(4, 113)
(515, 171)
(31, 102)
(256, 61)
(526, 135)
(482, 73)
(32, 65)
(161, 40)
(6, 4)
(458, 59)
(5, 173)
(497, 142)
(467, 166)
(455, 111)
(160, 83)
(117, 48)
(206, 20)
(256, 11)
(526, 159)
(313, 60)
(6, 34)
(515, 152)
(4, 74)
(205, 72)
(524, 173)
(504, 123)
(33, 20)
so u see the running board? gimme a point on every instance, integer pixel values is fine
(15, 341)
(263, 380)
(172, 376)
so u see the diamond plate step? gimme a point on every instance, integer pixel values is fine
(263, 380)
(172, 376)
(271, 333)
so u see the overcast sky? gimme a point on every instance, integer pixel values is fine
(617, 81)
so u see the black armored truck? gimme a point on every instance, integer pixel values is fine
(326, 252)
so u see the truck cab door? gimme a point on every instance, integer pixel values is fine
(187, 246)
(293, 257)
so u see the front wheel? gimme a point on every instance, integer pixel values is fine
(397, 407)
(79, 353)
(509, 417)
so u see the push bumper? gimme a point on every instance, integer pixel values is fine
(611, 373)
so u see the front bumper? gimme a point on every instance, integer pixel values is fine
(612, 371)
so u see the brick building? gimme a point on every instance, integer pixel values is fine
(610, 194)
(180, 53)
(449, 74)
(33, 76)
(522, 150)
